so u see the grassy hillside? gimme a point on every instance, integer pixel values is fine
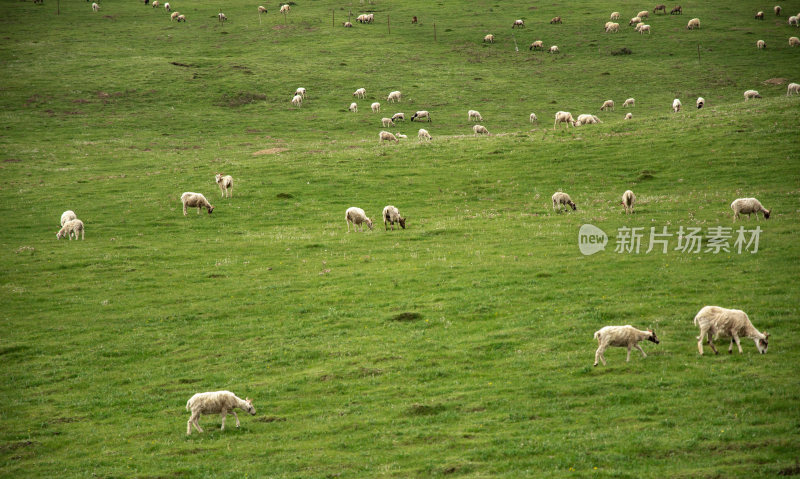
(461, 346)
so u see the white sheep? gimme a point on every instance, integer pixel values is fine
(628, 116)
(629, 102)
(638, 26)
(533, 118)
(347, 25)
(554, 49)
(792, 89)
(423, 135)
(301, 91)
(361, 18)
(748, 206)
(421, 114)
(761, 44)
(612, 27)
(701, 102)
(564, 117)
(262, 9)
(167, 7)
(376, 107)
(587, 119)
(221, 16)
(386, 136)
(360, 93)
(174, 15)
(488, 38)
(751, 94)
(353, 107)
(561, 199)
(297, 101)
(794, 41)
(693, 23)
(607, 105)
(537, 45)
(95, 7)
(386, 122)
(394, 96)
(369, 18)
(793, 21)
(225, 185)
(357, 217)
(285, 8)
(474, 115)
(391, 215)
(197, 200)
(221, 402)
(71, 228)
(518, 24)
(480, 130)
(68, 215)
(643, 14)
(628, 199)
(614, 15)
(181, 18)
(676, 105)
(155, 4)
(777, 10)
(635, 21)
(555, 20)
(398, 117)
(621, 336)
(760, 15)
(644, 28)
(715, 321)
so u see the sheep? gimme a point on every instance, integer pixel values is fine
(369, 18)
(560, 199)
(414, 20)
(638, 26)
(622, 336)
(95, 7)
(423, 135)
(391, 215)
(635, 21)
(662, 8)
(155, 4)
(628, 199)
(628, 116)
(793, 88)
(564, 117)
(222, 18)
(301, 91)
(167, 7)
(629, 102)
(693, 23)
(71, 228)
(488, 38)
(643, 14)
(357, 217)
(181, 18)
(793, 20)
(615, 15)
(480, 130)
(701, 102)
(360, 93)
(361, 18)
(518, 24)
(608, 104)
(285, 8)
(555, 20)
(398, 117)
(394, 96)
(676, 105)
(262, 9)
(421, 114)
(353, 107)
(376, 107)
(554, 49)
(174, 16)
(587, 119)
(677, 10)
(297, 101)
(347, 25)
(777, 10)
(400, 136)
(386, 136)
(644, 28)
(474, 115)
(794, 41)
(748, 206)
(537, 45)
(221, 402)
(761, 45)
(386, 122)
(715, 321)
(751, 94)
(760, 16)
(612, 27)
(68, 215)
(225, 185)
(192, 200)
(533, 118)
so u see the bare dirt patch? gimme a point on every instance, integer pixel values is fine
(269, 151)
(775, 81)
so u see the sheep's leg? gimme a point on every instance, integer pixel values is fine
(199, 208)
(730, 347)
(189, 426)
(627, 359)
(237, 418)
(184, 209)
(348, 225)
(223, 414)
(711, 343)
(599, 355)
(736, 338)
(640, 350)
(195, 419)
(700, 341)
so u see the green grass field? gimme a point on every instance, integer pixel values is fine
(461, 346)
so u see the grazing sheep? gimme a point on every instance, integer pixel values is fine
(394, 96)
(423, 134)
(95, 7)
(662, 8)
(285, 8)
(71, 228)
(608, 104)
(793, 21)
(370, 18)
(638, 26)
(421, 114)
(628, 198)
(628, 116)
(629, 102)
(221, 402)
(174, 16)
(488, 38)
(347, 25)
(751, 94)
(474, 115)
(587, 119)
(68, 215)
(398, 117)
(676, 105)
(777, 10)
(643, 14)
(480, 130)
(192, 200)
(560, 199)
(564, 117)
(761, 45)
(793, 88)
(357, 217)
(537, 45)
(391, 215)
(400, 135)
(794, 41)
(554, 49)
(167, 7)
(297, 101)
(354, 107)
(614, 15)
(222, 18)
(635, 21)
(555, 20)
(533, 118)
(748, 206)
(301, 91)
(715, 321)
(386, 136)
(262, 9)
(621, 336)
(386, 122)
(760, 16)
(414, 20)
(155, 4)
(225, 185)
(644, 28)
(181, 18)
(361, 18)
(612, 27)
(677, 10)
(376, 107)
(701, 102)
(518, 24)
(693, 23)
(360, 93)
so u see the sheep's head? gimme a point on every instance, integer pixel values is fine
(403, 223)
(210, 209)
(369, 223)
(60, 235)
(653, 336)
(218, 177)
(766, 214)
(572, 204)
(762, 344)
(250, 408)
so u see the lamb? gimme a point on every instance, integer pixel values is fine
(421, 114)
(612, 27)
(701, 102)
(181, 18)
(95, 7)
(715, 321)
(748, 206)
(537, 45)
(533, 118)
(614, 15)
(353, 107)
(553, 49)
(621, 336)
(474, 115)
(376, 107)
(192, 200)
(155, 4)
(488, 38)
(360, 93)
(386, 136)
(347, 25)
(608, 104)
(643, 14)
(222, 18)
(423, 135)
(68, 215)
(676, 105)
(225, 185)
(221, 402)
(793, 88)
(71, 228)
(751, 94)
(297, 101)
(560, 199)
(394, 96)
(564, 117)
(761, 45)
(555, 20)
(635, 21)
(398, 117)
(301, 91)
(285, 8)
(777, 10)
(262, 9)
(628, 116)
(662, 8)
(644, 28)
(357, 217)
(386, 122)
(629, 102)
(587, 119)
(518, 24)
(480, 130)
(693, 23)
(794, 41)
(174, 16)
(628, 199)
(167, 7)
(391, 215)
(677, 10)
(760, 16)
